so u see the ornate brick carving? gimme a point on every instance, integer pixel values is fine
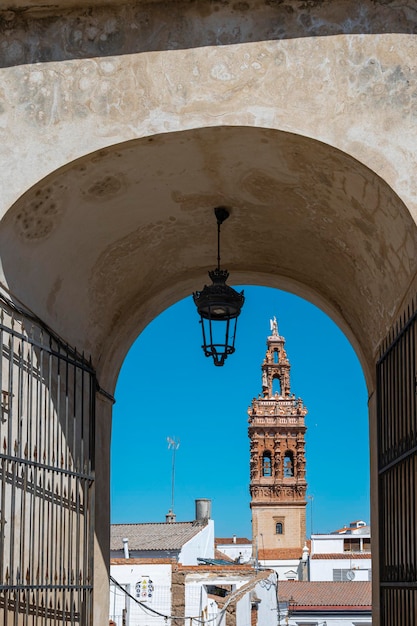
(277, 445)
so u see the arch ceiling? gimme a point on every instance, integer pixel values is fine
(103, 245)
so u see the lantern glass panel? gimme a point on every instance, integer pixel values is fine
(218, 338)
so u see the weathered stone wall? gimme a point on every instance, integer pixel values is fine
(178, 596)
(231, 614)
(78, 81)
(81, 80)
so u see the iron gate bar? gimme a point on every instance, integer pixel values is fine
(23, 587)
(397, 471)
(402, 585)
(76, 359)
(29, 315)
(404, 456)
(47, 415)
(53, 468)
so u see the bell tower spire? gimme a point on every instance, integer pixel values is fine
(277, 461)
(276, 365)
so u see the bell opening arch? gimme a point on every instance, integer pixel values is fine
(103, 245)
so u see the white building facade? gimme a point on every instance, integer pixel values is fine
(149, 594)
(238, 549)
(344, 555)
(167, 573)
(144, 594)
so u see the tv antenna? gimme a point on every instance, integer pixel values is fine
(173, 444)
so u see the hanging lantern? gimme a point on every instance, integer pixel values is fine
(219, 307)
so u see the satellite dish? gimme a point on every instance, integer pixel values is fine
(350, 574)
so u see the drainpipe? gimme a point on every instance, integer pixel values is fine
(126, 547)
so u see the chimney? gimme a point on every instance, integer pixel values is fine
(126, 547)
(234, 538)
(202, 509)
(170, 517)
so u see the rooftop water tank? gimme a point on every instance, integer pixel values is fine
(202, 509)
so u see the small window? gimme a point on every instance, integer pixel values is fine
(266, 464)
(217, 590)
(288, 464)
(366, 544)
(278, 528)
(352, 545)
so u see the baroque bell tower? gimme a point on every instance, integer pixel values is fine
(277, 459)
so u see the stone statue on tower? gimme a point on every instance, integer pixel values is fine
(274, 326)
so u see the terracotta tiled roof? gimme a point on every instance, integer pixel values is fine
(178, 567)
(216, 568)
(343, 555)
(326, 595)
(221, 541)
(352, 530)
(144, 561)
(280, 554)
(162, 536)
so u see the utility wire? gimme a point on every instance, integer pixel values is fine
(166, 617)
(233, 597)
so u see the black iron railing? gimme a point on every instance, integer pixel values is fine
(397, 465)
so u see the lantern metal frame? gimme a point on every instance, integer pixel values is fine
(218, 303)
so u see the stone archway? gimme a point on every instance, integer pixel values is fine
(77, 78)
(318, 92)
(101, 246)
(124, 228)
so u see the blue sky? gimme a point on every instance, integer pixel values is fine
(168, 388)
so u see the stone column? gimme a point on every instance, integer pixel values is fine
(102, 511)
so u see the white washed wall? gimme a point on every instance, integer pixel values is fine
(128, 575)
(200, 546)
(322, 569)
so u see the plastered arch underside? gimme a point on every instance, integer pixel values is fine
(101, 246)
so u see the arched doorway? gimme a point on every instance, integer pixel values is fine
(103, 245)
(167, 387)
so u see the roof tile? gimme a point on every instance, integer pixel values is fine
(221, 541)
(160, 536)
(342, 555)
(327, 594)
